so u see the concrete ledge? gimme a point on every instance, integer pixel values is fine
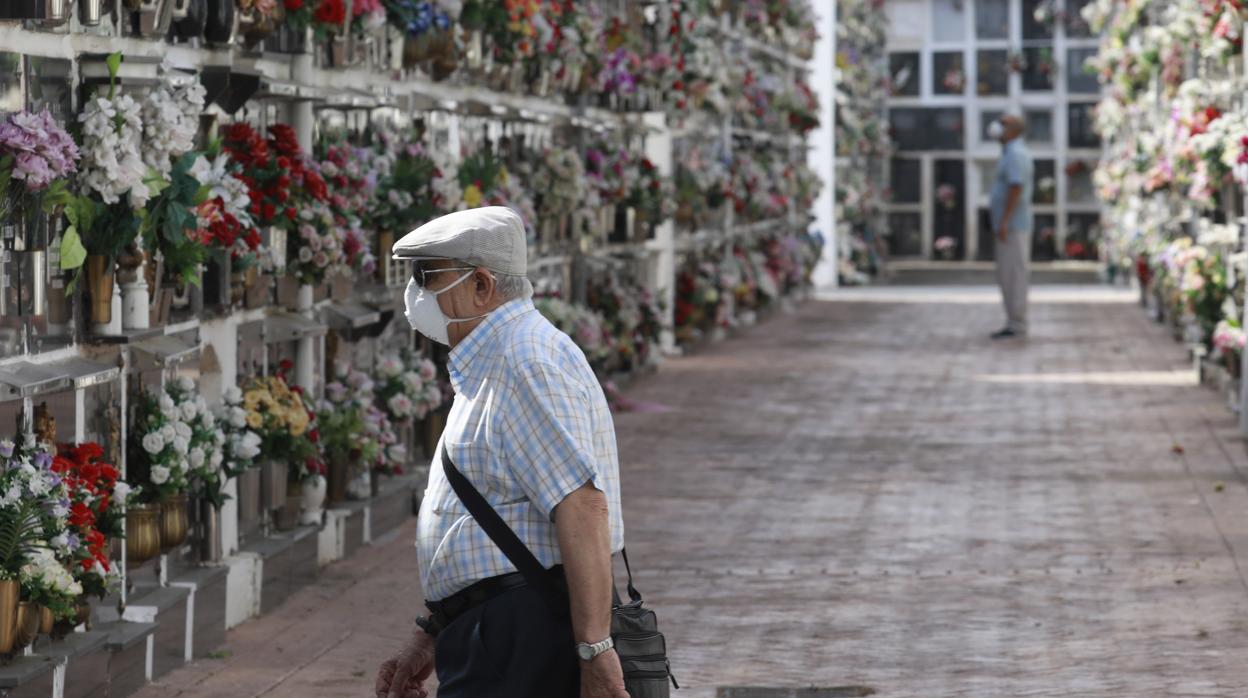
(394, 503)
(925, 273)
(128, 644)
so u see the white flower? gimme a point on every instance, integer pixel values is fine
(390, 366)
(188, 411)
(167, 432)
(121, 491)
(166, 402)
(153, 443)
(413, 382)
(233, 395)
(159, 474)
(182, 429)
(216, 459)
(399, 405)
(196, 456)
(238, 417)
(181, 445)
(186, 384)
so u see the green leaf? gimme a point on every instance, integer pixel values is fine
(114, 65)
(73, 254)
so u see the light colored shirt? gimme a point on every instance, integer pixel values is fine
(529, 425)
(1014, 168)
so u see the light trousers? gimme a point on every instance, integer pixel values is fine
(1013, 275)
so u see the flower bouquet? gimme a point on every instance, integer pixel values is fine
(37, 155)
(277, 413)
(559, 179)
(428, 29)
(98, 500)
(405, 393)
(224, 218)
(176, 445)
(258, 19)
(408, 197)
(583, 325)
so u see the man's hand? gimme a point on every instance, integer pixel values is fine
(1002, 233)
(602, 677)
(403, 676)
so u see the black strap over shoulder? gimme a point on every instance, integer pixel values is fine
(511, 545)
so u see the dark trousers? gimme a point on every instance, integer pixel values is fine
(511, 646)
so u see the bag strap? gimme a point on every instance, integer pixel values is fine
(516, 551)
(505, 538)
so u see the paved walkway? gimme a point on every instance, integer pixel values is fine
(868, 493)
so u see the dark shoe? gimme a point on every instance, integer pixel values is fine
(1005, 334)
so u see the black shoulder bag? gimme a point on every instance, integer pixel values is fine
(635, 630)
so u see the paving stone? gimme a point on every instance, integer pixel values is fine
(869, 494)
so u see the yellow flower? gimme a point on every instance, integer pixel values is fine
(254, 420)
(251, 399)
(472, 196)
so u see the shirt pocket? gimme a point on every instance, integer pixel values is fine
(473, 460)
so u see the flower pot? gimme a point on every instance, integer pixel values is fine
(273, 475)
(142, 533)
(100, 288)
(339, 476)
(46, 620)
(10, 590)
(82, 612)
(312, 499)
(249, 496)
(27, 624)
(288, 514)
(209, 535)
(173, 522)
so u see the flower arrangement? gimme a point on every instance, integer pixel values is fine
(223, 217)
(630, 316)
(367, 15)
(45, 581)
(172, 225)
(583, 325)
(242, 445)
(170, 117)
(112, 161)
(1228, 341)
(405, 393)
(559, 179)
(36, 151)
(98, 500)
(278, 174)
(409, 196)
(176, 444)
(351, 427)
(316, 251)
(287, 428)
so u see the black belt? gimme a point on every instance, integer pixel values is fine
(447, 610)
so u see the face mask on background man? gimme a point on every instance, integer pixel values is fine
(996, 130)
(424, 313)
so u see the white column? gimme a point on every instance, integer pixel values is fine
(662, 280)
(1243, 317)
(822, 156)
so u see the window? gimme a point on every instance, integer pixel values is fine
(906, 20)
(993, 73)
(948, 20)
(1044, 189)
(987, 174)
(1033, 30)
(903, 69)
(1082, 235)
(1078, 79)
(1039, 126)
(948, 209)
(905, 234)
(948, 73)
(1044, 238)
(1076, 28)
(1079, 188)
(907, 180)
(1039, 68)
(927, 129)
(992, 19)
(1081, 132)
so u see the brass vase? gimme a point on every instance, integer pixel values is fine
(82, 612)
(339, 477)
(10, 590)
(173, 522)
(142, 533)
(27, 625)
(46, 620)
(100, 288)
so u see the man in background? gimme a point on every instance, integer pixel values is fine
(1012, 221)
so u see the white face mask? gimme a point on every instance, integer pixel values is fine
(426, 316)
(996, 130)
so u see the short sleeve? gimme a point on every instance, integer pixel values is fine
(549, 434)
(1014, 170)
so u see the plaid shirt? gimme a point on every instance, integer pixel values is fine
(529, 425)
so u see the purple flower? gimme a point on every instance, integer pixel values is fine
(6, 449)
(43, 151)
(43, 459)
(73, 540)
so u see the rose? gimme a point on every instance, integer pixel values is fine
(181, 445)
(153, 443)
(159, 474)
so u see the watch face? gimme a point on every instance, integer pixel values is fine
(585, 652)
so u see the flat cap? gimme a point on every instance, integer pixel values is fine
(492, 237)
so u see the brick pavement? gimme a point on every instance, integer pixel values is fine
(868, 493)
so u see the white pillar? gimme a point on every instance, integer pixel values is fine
(305, 360)
(822, 155)
(663, 279)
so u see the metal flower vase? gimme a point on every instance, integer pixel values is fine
(174, 525)
(209, 534)
(273, 476)
(142, 533)
(46, 620)
(10, 591)
(27, 623)
(100, 288)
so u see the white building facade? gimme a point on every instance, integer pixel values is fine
(956, 65)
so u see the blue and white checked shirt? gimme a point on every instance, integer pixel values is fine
(529, 425)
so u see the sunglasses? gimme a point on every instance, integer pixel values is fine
(421, 274)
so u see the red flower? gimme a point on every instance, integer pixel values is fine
(285, 365)
(290, 213)
(294, 5)
(331, 12)
(269, 211)
(284, 163)
(314, 436)
(81, 516)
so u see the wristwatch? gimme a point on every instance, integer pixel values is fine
(587, 652)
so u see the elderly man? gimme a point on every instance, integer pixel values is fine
(531, 430)
(1012, 220)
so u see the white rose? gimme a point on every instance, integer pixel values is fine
(216, 459)
(167, 432)
(166, 402)
(238, 417)
(182, 429)
(233, 395)
(181, 445)
(121, 491)
(189, 411)
(153, 443)
(160, 474)
(196, 456)
(185, 383)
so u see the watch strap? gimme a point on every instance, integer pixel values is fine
(596, 648)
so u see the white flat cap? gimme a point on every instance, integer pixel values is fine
(492, 237)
